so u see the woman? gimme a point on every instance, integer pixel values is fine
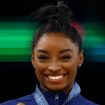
(56, 56)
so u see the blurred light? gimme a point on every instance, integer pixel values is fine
(16, 40)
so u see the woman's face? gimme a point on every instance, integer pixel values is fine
(56, 59)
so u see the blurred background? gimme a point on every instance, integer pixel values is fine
(16, 72)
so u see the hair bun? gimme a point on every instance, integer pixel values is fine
(53, 12)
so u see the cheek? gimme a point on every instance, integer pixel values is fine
(72, 71)
(40, 69)
(71, 68)
(38, 73)
(72, 74)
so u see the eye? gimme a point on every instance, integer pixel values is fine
(43, 57)
(66, 57)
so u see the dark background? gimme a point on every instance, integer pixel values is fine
(17, 78)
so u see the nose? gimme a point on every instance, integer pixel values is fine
(54, 66)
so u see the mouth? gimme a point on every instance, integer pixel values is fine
(56, 77)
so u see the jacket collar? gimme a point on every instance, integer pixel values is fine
(41, 100)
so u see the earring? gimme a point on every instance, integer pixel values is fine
(80, 65)
(34, 66)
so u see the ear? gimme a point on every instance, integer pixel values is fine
(81, 58)
(33, 60)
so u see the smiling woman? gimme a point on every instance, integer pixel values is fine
(56, 63)
(56, 55)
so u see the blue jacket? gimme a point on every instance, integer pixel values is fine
(29, 100)
(47, 98)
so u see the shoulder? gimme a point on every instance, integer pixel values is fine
(80, 100)
(27, 100)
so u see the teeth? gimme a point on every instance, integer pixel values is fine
(55, 77)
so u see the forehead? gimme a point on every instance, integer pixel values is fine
(56, 40)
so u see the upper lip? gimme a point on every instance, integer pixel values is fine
(55, 74)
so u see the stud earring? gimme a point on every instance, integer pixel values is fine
(80, 65)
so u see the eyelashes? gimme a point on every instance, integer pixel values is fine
(66, 57)
(45, 58)
(42, 57)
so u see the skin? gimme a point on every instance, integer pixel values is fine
(56, 59)
(20, 103)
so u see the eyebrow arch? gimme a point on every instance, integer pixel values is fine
(66, 50)
(62, 51)
(42, 51)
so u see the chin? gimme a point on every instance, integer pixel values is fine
(56, 88)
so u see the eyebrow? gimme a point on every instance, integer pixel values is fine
(42, 51)
(66, 50)
(62, 51)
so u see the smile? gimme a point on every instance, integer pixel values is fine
(56, 77)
